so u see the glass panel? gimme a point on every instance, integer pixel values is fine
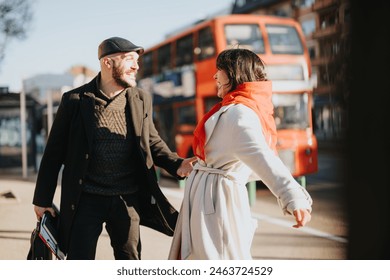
(206, 43)
(184, 51)
(291, 111)
(209, 102)
(246, 36)
(146, 68)
(284, 39)
(163, 120)
(308, 26)
(186, 115)
(290, 72)
(164, 58)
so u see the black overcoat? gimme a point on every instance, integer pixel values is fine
(69, 147)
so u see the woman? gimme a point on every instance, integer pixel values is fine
(235, 143)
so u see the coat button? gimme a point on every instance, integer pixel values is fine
(86, 156)
(80, 182)
(72, 207)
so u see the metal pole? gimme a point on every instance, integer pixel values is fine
(23, 132)
(251, 186)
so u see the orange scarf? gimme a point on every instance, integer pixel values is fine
(255, 95)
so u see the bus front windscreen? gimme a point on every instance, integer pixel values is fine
(284, 39)
(246, 36)
(291, 110)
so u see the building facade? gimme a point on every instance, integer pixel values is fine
(43, 95)
(10, 129)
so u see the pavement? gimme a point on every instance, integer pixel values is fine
(274, 239)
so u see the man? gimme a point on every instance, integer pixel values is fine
(104, 137)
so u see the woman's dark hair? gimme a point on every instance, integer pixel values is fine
(241, 65)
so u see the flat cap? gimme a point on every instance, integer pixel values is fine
(117, 45)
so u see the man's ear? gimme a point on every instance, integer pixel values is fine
(107, 62)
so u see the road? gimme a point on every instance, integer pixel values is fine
(325, 237)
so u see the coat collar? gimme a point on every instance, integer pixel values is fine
(213, 120)
(136, 109)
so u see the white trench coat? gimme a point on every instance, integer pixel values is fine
(215, 219)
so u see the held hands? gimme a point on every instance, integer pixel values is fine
(186, 167)
(302, 217)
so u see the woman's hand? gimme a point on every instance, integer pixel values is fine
(302, 217)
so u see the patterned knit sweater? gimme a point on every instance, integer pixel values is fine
(111, 168)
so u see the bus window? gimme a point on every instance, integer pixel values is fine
(291, 111)
(210, 101)
(206, 48)
(245, 36)
(186, 115)
(147, 65)
(284, 39)
(288, 72)
(164, 58)
(184, 50)
(163, 120)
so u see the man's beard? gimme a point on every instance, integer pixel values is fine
(117, 76)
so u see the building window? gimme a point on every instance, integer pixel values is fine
(312, 52)
(308, 26)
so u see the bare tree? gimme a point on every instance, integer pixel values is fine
(15, 19)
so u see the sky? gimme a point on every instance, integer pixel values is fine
(63, 34)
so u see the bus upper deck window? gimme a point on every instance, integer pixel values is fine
(164, 58)
(206, 43)
(284, 39)
(244, 36)
(146, 68)
(185, 50)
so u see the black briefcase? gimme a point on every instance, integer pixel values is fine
(44, 238)
(38, 249)
(48, 232)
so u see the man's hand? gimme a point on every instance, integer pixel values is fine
(39, 211)
(186, 167)
(302, 217)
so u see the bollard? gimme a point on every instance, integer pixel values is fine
(158, 173)
(302, 181)
(251, 186)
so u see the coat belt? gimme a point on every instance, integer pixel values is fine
(208, 202)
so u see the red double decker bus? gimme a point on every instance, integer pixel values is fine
(179, 71)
